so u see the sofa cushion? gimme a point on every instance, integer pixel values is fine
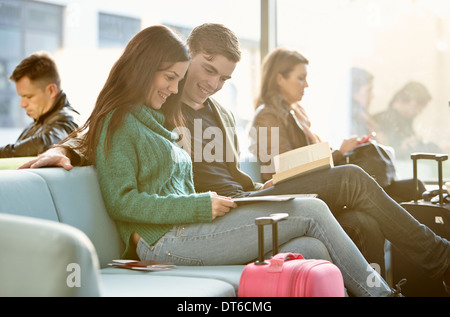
(149, 284)
(230, 274)
(79, 203)
(22, 193)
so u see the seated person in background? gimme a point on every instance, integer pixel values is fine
(38, 85)
(361, 97)
(395, 124)
(283, 81)
(387, 125)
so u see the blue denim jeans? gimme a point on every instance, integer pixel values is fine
(233, 239)
(350, 188)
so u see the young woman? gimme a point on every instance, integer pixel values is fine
(283, 82)
(146, 178)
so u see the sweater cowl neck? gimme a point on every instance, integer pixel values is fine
(154, 119)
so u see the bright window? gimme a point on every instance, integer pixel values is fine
(396, 41)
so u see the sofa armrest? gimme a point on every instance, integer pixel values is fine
(45, 258)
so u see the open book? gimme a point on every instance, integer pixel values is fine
(302, 160)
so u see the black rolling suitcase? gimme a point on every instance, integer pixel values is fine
(435, 214)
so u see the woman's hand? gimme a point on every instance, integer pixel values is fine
(348, 145)
(55, 156)
(221, 205)
(267, 184)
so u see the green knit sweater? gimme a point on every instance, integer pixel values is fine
(146, 179)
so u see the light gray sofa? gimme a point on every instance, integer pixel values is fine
(56, 239)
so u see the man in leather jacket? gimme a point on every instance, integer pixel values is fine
(38, 85)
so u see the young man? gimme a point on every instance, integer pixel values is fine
(215, 53)
(38, 85)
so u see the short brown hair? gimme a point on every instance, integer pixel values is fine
(214, 39)
(40, 68)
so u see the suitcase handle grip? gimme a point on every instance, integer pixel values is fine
(430, 156)
(273, 220)
(277, 261)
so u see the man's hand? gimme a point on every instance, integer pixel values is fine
(53, 157)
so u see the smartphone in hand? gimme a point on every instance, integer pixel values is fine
(367, 138)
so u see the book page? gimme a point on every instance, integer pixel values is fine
(301, 156)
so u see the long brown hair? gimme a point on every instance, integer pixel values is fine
(279, 61)
(128, 84)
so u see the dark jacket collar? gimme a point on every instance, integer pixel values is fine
(60, 102)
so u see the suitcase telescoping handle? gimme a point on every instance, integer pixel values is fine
(430, 156)
(273, 220)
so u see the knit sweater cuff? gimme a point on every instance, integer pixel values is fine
(204, 207)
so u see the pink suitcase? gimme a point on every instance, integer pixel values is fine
(288, 274)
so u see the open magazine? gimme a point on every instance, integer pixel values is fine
(146, 265)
